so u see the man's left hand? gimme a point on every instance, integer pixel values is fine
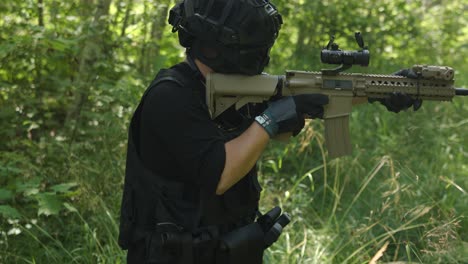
(400, 101)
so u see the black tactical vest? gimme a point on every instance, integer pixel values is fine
(150, 200)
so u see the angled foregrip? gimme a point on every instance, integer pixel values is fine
(337, 137)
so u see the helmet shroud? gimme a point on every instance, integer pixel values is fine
(230, 36)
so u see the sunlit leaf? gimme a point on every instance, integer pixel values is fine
(70, 207)
(29, 186)
(64, 187)
(49, 204)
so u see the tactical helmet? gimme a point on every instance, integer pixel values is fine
(230, 36)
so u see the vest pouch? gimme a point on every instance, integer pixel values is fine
(243, 245)
(169, 244)
(171, 207)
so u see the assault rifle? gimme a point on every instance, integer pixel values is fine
(432, 83)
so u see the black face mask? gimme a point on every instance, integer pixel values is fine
(253, 60)
(232, 60)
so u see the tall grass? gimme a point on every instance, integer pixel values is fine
(81, 240)
(401, 196)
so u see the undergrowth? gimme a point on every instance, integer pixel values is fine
(401, 196)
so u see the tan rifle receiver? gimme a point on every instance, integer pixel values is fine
(223, 91)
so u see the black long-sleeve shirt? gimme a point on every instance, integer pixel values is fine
(178, 139)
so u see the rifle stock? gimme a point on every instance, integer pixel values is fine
(223, 91)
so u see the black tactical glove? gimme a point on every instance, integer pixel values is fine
(287, 113)
(400, 101)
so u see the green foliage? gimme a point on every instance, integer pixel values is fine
(345, 210)
(9, 212)
(72, 72)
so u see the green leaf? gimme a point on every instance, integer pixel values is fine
(6, 49)
(5, 195)
(49, 204)
(28, 186)
(9, 212)
(7, 171)
(31, 191)
(64, 187)
(59, 44)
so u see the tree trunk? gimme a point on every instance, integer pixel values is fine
(157, 28)
(38, 55)
(38, 78)
(93, 48)
(40, 12)
(120, 5)
(143, 56)
(128, 9)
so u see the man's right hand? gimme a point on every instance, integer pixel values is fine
(287, 114)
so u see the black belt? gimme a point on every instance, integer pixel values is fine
(170, 243)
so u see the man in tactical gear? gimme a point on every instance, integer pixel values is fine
(191, 190)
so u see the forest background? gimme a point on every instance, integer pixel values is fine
(72, 72)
